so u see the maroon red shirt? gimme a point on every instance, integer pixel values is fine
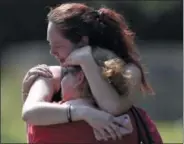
(80, 132)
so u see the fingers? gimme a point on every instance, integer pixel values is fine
(111, 132)
(41, 71)
(31, 79)
(46, 67)
(98, 135)
(108, 132)
(125, 125)
(33, 74)
(122, 120)
(125, 131)
(103, 134)
(116, 130)
(127, 122)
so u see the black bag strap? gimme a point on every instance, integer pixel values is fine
(139, 133)
(140, 122)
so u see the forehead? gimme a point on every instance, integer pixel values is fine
(53, 34)
(70, 70)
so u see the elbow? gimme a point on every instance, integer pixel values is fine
(31, 114)
(115, 109)
(27, 114)
(119, 108)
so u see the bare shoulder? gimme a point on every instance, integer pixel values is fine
(56, 71)
(135, 73)
(133, 68)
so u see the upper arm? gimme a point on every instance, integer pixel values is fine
(41, 90)
(56, 71)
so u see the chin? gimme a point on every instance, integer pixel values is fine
(61, 62)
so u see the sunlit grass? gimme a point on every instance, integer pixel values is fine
(171, 132)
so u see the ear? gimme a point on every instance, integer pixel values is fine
(80, 77)
(84, 41)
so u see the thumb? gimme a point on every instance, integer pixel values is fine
(123, 120)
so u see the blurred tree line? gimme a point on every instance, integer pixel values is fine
(24, 20)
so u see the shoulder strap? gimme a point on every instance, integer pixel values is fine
(141, 124)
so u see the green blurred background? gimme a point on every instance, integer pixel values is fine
(158, 27)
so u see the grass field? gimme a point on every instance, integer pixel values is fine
(13, 128)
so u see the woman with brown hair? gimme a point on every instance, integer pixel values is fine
(72, 26)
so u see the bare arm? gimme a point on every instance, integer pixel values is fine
(37, 109)
(44, 113)
(106, 97)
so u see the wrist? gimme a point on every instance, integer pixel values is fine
(88, 62)
(78, 112)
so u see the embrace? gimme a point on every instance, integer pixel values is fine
(89, 97)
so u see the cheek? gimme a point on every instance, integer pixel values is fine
(67, 84)
(64, 52)
(64, 85)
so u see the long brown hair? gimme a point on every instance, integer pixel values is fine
(104, 28)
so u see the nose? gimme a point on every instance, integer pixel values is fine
(53, 52)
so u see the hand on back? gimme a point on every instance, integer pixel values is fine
(32, 75)
(106, 126)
